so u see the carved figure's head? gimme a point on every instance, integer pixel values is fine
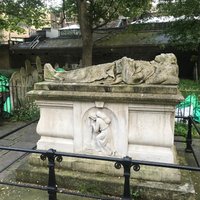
(92, 116)
(169, 58)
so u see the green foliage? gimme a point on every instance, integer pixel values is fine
(28, 111)
(188, 87)
(7, 72)
(189, 84)
(89, 189)
(135, 194)
(102, 11)
(93, 14)
(66, 10)
(181, 129)
(184, 32)
(17, 14)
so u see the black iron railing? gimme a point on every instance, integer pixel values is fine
(189, 147)
(52, 155)
(190, 124)
(126, 163)
(4, 95)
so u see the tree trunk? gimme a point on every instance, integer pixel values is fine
(86, 32)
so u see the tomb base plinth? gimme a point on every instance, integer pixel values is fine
(101, 178)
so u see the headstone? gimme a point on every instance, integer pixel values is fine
(28, 67)
(39, 65)
(23, 81)
(35, 76)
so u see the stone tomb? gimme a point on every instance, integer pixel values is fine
(79, 118)
(124, 108)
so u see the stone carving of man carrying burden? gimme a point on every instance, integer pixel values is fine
(101, 133)
(162, 70)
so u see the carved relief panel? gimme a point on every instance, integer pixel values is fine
(99, 131)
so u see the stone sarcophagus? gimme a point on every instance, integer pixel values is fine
(124, 108)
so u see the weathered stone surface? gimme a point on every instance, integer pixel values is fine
(39, 65)
(28, 67)
(104, 184)
(118, 95)
(66, 126)
(107, 119)
(147, 173)
(154, 94)
(120, 88)
(162, 70)
(91, 115)
(35, 76)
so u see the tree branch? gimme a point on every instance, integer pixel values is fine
(106, 20)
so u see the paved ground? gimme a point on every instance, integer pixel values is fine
(24, 138)
(191, 162)
(11, 135)
(27, 138)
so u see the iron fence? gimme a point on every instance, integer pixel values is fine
(190, 106)
(126, 163)
(5, 105)
(12, 98)
(189, 139)
(184, 114)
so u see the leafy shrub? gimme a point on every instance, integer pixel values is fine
(28, 111)
(181, 129)
(188, 87)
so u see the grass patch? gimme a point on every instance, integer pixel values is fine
(182, 128)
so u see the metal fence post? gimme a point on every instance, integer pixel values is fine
(188, 148)
(127, 164)
(52, 187)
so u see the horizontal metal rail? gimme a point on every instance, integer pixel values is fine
(195, 157)
(195, 125)
(190, 123)
(103, 158)
(126, 163)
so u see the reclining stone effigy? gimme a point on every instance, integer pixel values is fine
(162, 70)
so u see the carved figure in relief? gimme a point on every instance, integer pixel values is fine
(162, 70)
(101, 133)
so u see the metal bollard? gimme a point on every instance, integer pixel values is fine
(52, 186)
